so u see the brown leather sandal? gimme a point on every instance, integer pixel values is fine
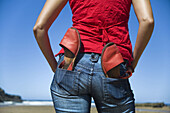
(111, 59)
(71, 43)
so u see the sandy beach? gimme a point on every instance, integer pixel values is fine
(50, 109)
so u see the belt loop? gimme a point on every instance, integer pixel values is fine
(94, 57)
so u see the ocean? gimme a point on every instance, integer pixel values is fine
(50, 103)
(31, 103)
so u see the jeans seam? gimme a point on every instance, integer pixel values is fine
(89, 84)
(105, 92)
(83, 66)
(76, 84)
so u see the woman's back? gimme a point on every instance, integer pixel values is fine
(100, 12)
(100, 22)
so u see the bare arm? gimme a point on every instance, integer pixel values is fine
(144, 15)
(47, 16)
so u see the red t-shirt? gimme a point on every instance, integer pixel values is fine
(100, 22)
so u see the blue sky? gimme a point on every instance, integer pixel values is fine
(24, 71)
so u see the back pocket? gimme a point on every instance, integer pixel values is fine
(116, 90)
(67, 80)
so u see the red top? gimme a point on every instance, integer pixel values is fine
(100, 22)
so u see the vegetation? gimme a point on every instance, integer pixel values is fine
(155, 105)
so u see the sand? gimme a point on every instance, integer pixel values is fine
(50, 109)
(32, 109)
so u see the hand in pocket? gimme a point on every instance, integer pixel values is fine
(115, 72)
(67, 62)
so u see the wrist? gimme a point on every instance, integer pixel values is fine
(53, 65)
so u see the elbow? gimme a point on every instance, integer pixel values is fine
(149, 21)
(38, 30)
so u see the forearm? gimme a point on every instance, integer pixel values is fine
(41, 36)
(47, 16)
(144, 15)
(144, 33)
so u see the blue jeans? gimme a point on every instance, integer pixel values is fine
(72, 90)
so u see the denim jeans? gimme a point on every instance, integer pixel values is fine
(72, 90)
